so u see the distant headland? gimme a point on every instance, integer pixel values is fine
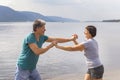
(114, 20)
(8, 14)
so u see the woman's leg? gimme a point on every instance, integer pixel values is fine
(97, 79)
(87, 77)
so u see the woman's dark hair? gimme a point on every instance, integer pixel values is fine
(92, 30)
(38, 23)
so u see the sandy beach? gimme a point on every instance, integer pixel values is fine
(111, 75)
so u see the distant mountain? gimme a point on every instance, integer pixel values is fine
(9, 15)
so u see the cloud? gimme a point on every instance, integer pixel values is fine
(58, 2)
(5, 2)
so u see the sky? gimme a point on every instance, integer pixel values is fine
(83, 10)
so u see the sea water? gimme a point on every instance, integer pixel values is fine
(57, 62)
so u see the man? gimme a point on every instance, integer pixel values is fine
(32, 48)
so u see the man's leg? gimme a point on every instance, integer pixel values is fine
(21, 74)
(35, 75)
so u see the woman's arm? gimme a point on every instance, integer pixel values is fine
(78, 47)
(75, 42)
(76, 37)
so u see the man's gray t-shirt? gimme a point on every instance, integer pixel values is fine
(91, 53)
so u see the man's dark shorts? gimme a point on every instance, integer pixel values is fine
(96, 73)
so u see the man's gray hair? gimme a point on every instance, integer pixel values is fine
(38, 23)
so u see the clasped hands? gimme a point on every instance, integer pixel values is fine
(73, 38)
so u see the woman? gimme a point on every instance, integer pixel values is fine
(90, 48)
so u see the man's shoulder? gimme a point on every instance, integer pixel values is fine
(29, 35)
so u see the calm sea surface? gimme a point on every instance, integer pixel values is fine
(56, 62)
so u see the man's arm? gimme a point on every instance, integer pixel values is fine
(61, 40)
(38, 50)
